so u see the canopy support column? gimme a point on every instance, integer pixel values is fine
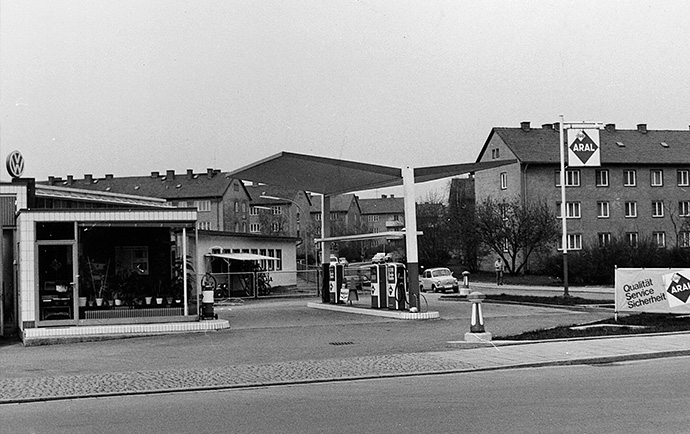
(411, 237)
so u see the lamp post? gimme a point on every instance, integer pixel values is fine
(299, 208)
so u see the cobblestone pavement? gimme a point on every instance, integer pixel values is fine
(502, 356)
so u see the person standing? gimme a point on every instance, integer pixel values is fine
(498, 266)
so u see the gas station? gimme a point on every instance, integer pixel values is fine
(395, 287)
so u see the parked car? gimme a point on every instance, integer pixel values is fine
(380, 258)
(333, 259)
(438, 279)
(343, 261)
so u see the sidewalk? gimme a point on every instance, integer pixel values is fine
(498, 355)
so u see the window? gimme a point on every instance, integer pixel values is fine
(244, 207)
(574, 241)
(684, 239)
(601, 177)
(629, 178)
(254, 227)
(133, 258)
(275, 227)
(276, 210)
(494, 153)
(182, 204)
(684, 208)
(317, 217)
(657, 208)
(279, 259)
(631, 209)
(253, 210)
(659, 239)
(237, 206)
(504, 180)
(244, 227)
(572, 178)
(372, 218)
(604, 239)
(683, 176)
(603, 210)
(236, 186)
(656, 178)
(632, 238)
(203, 205)
(204, 226)
(271, 264)
(572, 210)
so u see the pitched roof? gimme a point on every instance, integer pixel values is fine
(169, 185)
(640, 146)
(340, 203)
(382, 205)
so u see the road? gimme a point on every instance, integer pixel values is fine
(646, 396)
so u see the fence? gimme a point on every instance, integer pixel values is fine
(267, 284)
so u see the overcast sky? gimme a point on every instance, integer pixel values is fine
(133, 86)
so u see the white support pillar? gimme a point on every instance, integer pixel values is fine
(184, 271)
(325, 245)
(411, 236)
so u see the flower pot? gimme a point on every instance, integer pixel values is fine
(147, 300)
(90, 302)
(99, 302)
(159, 301)
(118, 302)
(82, 301)
(169, 300)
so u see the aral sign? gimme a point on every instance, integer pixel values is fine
(658, 290)
(583, 147)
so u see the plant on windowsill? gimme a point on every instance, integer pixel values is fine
(99, 279)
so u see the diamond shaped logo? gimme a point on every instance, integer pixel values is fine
(583, 146)
(679, 287)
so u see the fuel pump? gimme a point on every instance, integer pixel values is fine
(396, 283)
(336, 279)
(378, 286)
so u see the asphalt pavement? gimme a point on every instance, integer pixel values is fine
(282, 341)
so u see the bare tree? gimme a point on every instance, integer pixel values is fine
(514, 229)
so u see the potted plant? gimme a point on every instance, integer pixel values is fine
(99, 279)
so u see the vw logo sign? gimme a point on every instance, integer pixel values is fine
(15, 164)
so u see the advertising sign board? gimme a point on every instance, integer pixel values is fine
(657, 290)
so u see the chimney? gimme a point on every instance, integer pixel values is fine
(642, 128)
(109, 176)
(383, 196)
(88, 178)
(70, 179)
(170, 174)
(190, 174)
(557, 126)
(51, 180)
(525, 126)
(155, 174)
(610, 127)
(209, 173)
(392, 196)
(547, 126)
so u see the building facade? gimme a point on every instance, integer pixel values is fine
(639, 193)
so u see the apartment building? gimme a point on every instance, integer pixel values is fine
(641, 191)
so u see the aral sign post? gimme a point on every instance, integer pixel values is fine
(583, 151)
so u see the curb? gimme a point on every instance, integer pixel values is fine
(575, 362)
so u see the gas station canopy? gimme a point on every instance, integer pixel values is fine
(331, 176)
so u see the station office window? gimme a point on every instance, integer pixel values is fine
(601, 177)
(629, 178)
(656, 178)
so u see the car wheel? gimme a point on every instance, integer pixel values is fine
(433, 288)
(456, 289)
(421, 288)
